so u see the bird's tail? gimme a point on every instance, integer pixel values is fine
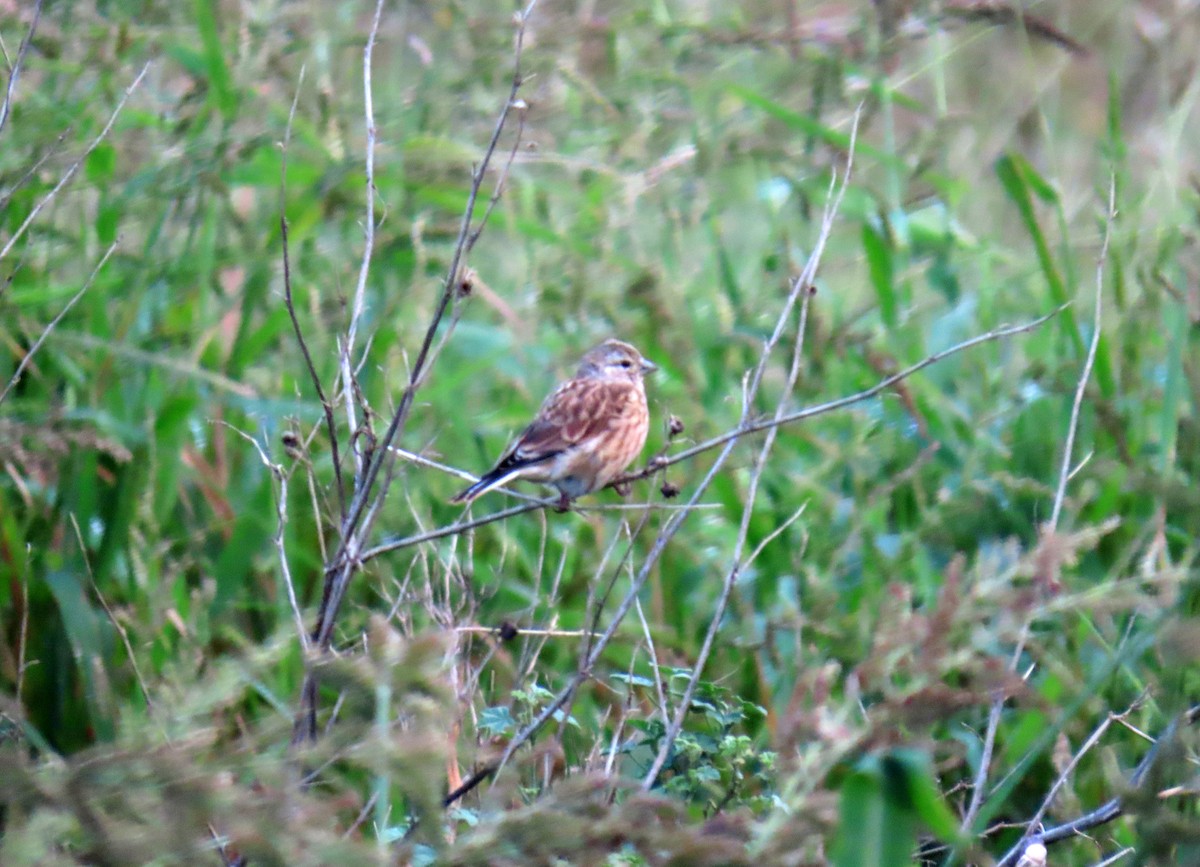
(489, 481)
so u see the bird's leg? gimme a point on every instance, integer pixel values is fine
(563, 504)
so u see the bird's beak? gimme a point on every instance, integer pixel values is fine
(648, 366)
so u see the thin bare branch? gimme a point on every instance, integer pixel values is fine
(422, 461)
(1062, 778)
(801, 289)
(16, 377)
(368, 496)
(360, 290)
(664, 704)
(112, 617)
(289, 302)
(841, 403)
(33, 170)
(1114, 808)
(979, 786)
(994, 714)
(597, 600)
(280, 523)
(1072, 428)
(23, 638)
(544, 633)
(449, 290)
(70, 173)
(498, 190)
(15, 72)
(776, 533)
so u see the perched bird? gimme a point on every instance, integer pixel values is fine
(586, 433)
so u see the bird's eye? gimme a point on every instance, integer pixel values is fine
(626, 363)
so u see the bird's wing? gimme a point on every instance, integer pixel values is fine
(578, 410)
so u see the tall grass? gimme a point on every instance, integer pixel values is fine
(914, 658)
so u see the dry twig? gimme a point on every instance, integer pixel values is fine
(14, 72)
(37, 344)
(290, 303)
(800, 290)
(370, 491)
(70, 172)
(1111, 810)
(1051, 527)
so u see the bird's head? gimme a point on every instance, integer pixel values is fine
(615, 359)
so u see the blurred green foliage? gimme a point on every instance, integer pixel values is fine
(675, 159)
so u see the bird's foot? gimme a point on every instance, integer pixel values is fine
(622, 488)
(563, 504)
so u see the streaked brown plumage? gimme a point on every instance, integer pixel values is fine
(587, 432)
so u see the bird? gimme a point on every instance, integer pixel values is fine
(587, 431)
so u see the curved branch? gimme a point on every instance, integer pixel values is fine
(742, 430)
(1110, 810)
(801, 289)
(842, 402)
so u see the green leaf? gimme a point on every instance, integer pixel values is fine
(100, 163)
(222, 94)
(430, 150)
(496, 721)
(108, 219)
(724, 263)
(914, 769)
(633, 679)
(188, 57)
(883, 803)
(85, 629)
(117, 510)
(264, 167)
(1172, 404)
(1019, 179)
(251, 533)
(877, 828)
(812, 127)
(1105, 378)
(879, 265)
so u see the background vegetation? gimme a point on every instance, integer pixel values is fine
(924, 654)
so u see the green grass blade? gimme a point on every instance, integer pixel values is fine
(878, 249)
(1021, 182)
